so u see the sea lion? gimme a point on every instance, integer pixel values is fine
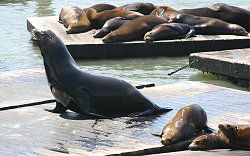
(187, 121)
(81, 92)
(202, 25)
(239, 137)
(210, 141)
(110, 25)
(74, 19)
(134, 29)
(101, 7)
(143, 8)
(98, 19)
(230, 14)
(168, 31)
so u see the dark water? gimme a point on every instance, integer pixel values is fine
(17, 51)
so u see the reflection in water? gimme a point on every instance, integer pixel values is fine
(4, 2)
(44, 8)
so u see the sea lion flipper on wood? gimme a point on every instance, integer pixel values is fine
(60, 108)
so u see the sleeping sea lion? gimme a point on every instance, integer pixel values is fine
(230, 14)
(167, 31)
(187, 121)
(81, 92)
(98, 19)
(101, 7)
(134, 29)
(74, 19)
(110, 25)
(202, 25)
(143, 8)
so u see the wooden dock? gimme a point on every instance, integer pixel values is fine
(34, 131)
(83, 45)
(232, 63)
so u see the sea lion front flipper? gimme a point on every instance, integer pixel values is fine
(58, 109)
(191, 33)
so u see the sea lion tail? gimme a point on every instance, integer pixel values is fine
(160, 110)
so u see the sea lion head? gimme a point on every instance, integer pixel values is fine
(200, 143)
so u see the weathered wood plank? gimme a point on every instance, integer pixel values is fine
(83, 45)
(34, 131)
(232, 63)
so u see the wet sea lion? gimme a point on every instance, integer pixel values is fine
(110, 25)
(188, 120)
(210, 141)
(134, 29)
(202, 25)
(239, 137)
(98, 19)
(168, 31)
(101, 7)
(81, 92)
(74, 19)
(230, 14)
(143, 8)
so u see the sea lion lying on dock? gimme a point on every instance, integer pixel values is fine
(81, 92)
(110, 25)
(143, 8)
(230, 14)
(202, 25)
(210, 141)
(134, 29)
(101, 7)
(98, 19)
(74, 19)
(238, 137)
(187, 121)
(167, 31)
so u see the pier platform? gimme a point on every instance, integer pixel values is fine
(34, 131)
(84, 45)
(232, 63)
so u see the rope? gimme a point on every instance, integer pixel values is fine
(183, 67)
(27, 104)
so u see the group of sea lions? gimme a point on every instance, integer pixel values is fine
(191, 120)
(138, 20)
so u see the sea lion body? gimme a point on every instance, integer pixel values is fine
(85, 93)
(110, 25)
(101, 7)
(202, 25)
(98, 19)
(227, 13)
(74, 19)
(210, 141)
(143, 8)
(188, 120)
(134, 29)
(168, 31)
(239, 137)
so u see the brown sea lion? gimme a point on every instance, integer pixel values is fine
(134, 29)
(230, 14)
(187, 121)
(238, 137)
(210, 141)
(168, 31)
(74, 19)
(143, 8)
(202, 25)
(101, 7)
(110, 25)
(98, 19)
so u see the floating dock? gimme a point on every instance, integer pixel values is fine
(232, 63)
(34, 131)
(84, 45)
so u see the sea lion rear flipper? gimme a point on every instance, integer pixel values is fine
(58, 109)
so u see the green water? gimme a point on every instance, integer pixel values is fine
(17, 52)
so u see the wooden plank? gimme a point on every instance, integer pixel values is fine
(83, 45)
(34, 131)
(232, 63)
